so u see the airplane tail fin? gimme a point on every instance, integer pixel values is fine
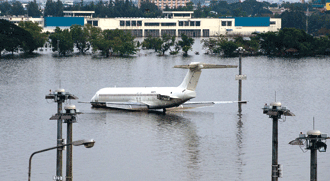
(194, 72)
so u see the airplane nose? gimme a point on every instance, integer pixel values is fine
(94, 98)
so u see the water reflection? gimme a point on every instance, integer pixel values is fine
(167, 137)
(239, 143)
(176, 123)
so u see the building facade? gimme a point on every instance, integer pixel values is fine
(175, 23)
(163, 3)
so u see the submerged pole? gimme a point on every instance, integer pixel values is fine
(275, 111)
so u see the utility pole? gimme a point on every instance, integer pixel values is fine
(314, 141)
(275, 111)
(240, 77)
(59, 96)
(70, 117)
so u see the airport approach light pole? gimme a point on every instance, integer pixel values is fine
(59, 96)
(240, 77)
(314, 140)
(68, 116)
(275, 111)
(86, 143)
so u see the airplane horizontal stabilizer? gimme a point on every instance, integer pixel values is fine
(192, 105)
(198, 65)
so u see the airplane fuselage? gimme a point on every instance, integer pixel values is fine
(143, 97)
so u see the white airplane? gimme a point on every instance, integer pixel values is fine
(152, 98)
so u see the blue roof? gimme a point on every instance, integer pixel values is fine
(252, 21)
(64, 21)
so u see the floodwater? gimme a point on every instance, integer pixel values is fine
(211, 143)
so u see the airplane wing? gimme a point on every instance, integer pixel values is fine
(192, 105)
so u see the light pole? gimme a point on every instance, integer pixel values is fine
(86, 143)
(314, 141)
(275, 111)
(59, 96)
(68, 116)
(240, 77)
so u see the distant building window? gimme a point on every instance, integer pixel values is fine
(128, 23)
(226, 23)
(151, 24)
(133, 23)
(198, 23)
(186, 23)
(180, 23)
(139, 23)
(223, 23)
(168, 24)
(272, 22)
(94, 23)
(122, 23)
(192, 23)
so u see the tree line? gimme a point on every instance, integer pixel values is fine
(285, 42)
(28, 36)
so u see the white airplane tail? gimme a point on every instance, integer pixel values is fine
(194, 72)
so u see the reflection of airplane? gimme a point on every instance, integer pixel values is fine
(146, 98)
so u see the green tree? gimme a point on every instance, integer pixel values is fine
(33, 10)
(115, 41)
(167, 42)
(54, 8)
(297, 39)
(269, 43)
(250, 46)
(295, 18)
(5, 8)
(12, 37)
(211, 45)
(50, 8)
(123, 42)
(35, 30)
(150, 9)
(186, 43)
(80, 37)
(62, 39)
(17, 9)
(152, 43)
(228, 48)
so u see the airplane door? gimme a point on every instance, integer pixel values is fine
(138, 97)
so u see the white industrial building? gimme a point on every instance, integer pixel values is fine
(174, 23)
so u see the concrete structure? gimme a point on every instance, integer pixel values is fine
(163, 3)
(194, 27)
(174, 23)
(16, 19)
(88, 14)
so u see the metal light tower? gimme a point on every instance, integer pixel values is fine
(314, 140)
(68, 116)
(59, 96)
(240, 77)
(275, 111)
(70, 113)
